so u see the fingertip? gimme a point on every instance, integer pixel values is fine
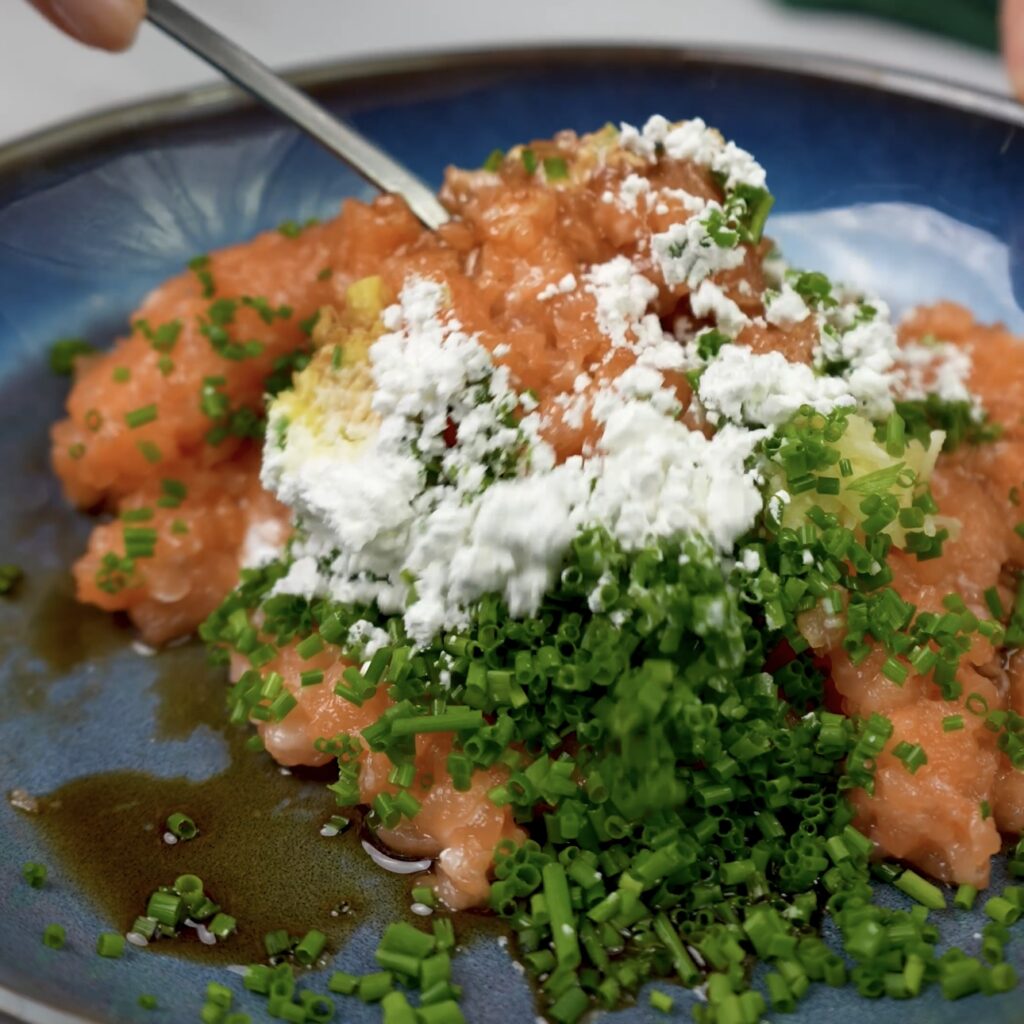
(1013, 43)
(106, 24)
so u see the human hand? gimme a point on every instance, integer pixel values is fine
(107, 24)
(1013, 43)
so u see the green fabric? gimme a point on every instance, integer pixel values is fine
(970, 21)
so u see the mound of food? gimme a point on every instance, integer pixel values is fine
(659, 592)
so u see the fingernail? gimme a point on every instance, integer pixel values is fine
(108, 24)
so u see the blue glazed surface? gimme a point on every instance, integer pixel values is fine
(914, 199)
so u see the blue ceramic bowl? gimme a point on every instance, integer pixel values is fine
(903, 185)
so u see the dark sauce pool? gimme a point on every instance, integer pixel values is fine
(259, 849)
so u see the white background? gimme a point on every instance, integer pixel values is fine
(46, 78)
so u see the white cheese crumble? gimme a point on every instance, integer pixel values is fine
(694, 140)
(765, 389)
(710, 301)
(686, 253)
(622, 295)
(936, 367)
(563, 286)
(786, 307)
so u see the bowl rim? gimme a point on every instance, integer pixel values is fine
(62, 139)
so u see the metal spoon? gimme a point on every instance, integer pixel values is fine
(251, 74)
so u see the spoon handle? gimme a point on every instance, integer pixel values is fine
(252, 75)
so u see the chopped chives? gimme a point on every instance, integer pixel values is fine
(223, 926)
(912, 755)
(494, 160)
(219, 994)
(1002, 910)
(994, 602)
(136, 418)
(147, 1001)
(921, 890)
(54, 936)
(34, 874)
(121, 374)
(172, 493)
(661, 1001)
(310, 947)
(181, 826)
(529, 160)
(372, 988)
(952, 723)
(555, 168)
(309, 647)
(448, 721)
(111, 945)
(343, 983)
(65, 351)
(277, 942)
(166, 908)
(149, 450)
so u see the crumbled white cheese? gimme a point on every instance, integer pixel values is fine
(937, 367)
(366, 639)
(622, 295)
(765, 389)
(860, 338)
(563, 286)
(786, 307)
(694, 140)
(686, 253)
(632, 188)
(710, 301)
(659, 479)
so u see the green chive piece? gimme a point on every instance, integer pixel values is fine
(140, 417)
(661, 1001)
(343, 983)
(424, 895)
(34, 874)
(182, 826)
(310, 947)
(309, 647)
(10, 576)
(220, 995)
(563, 920)
(54, 936)
(1002, 910)
(555, 168)
(494, 160)
(150, 451)
(223, 926)
(277, 942)
(965, 897)
(147, 1001)
(110, 944)
(529, 159)
(372, 988)
(65, 351)
(921, 890)
(166, 908)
